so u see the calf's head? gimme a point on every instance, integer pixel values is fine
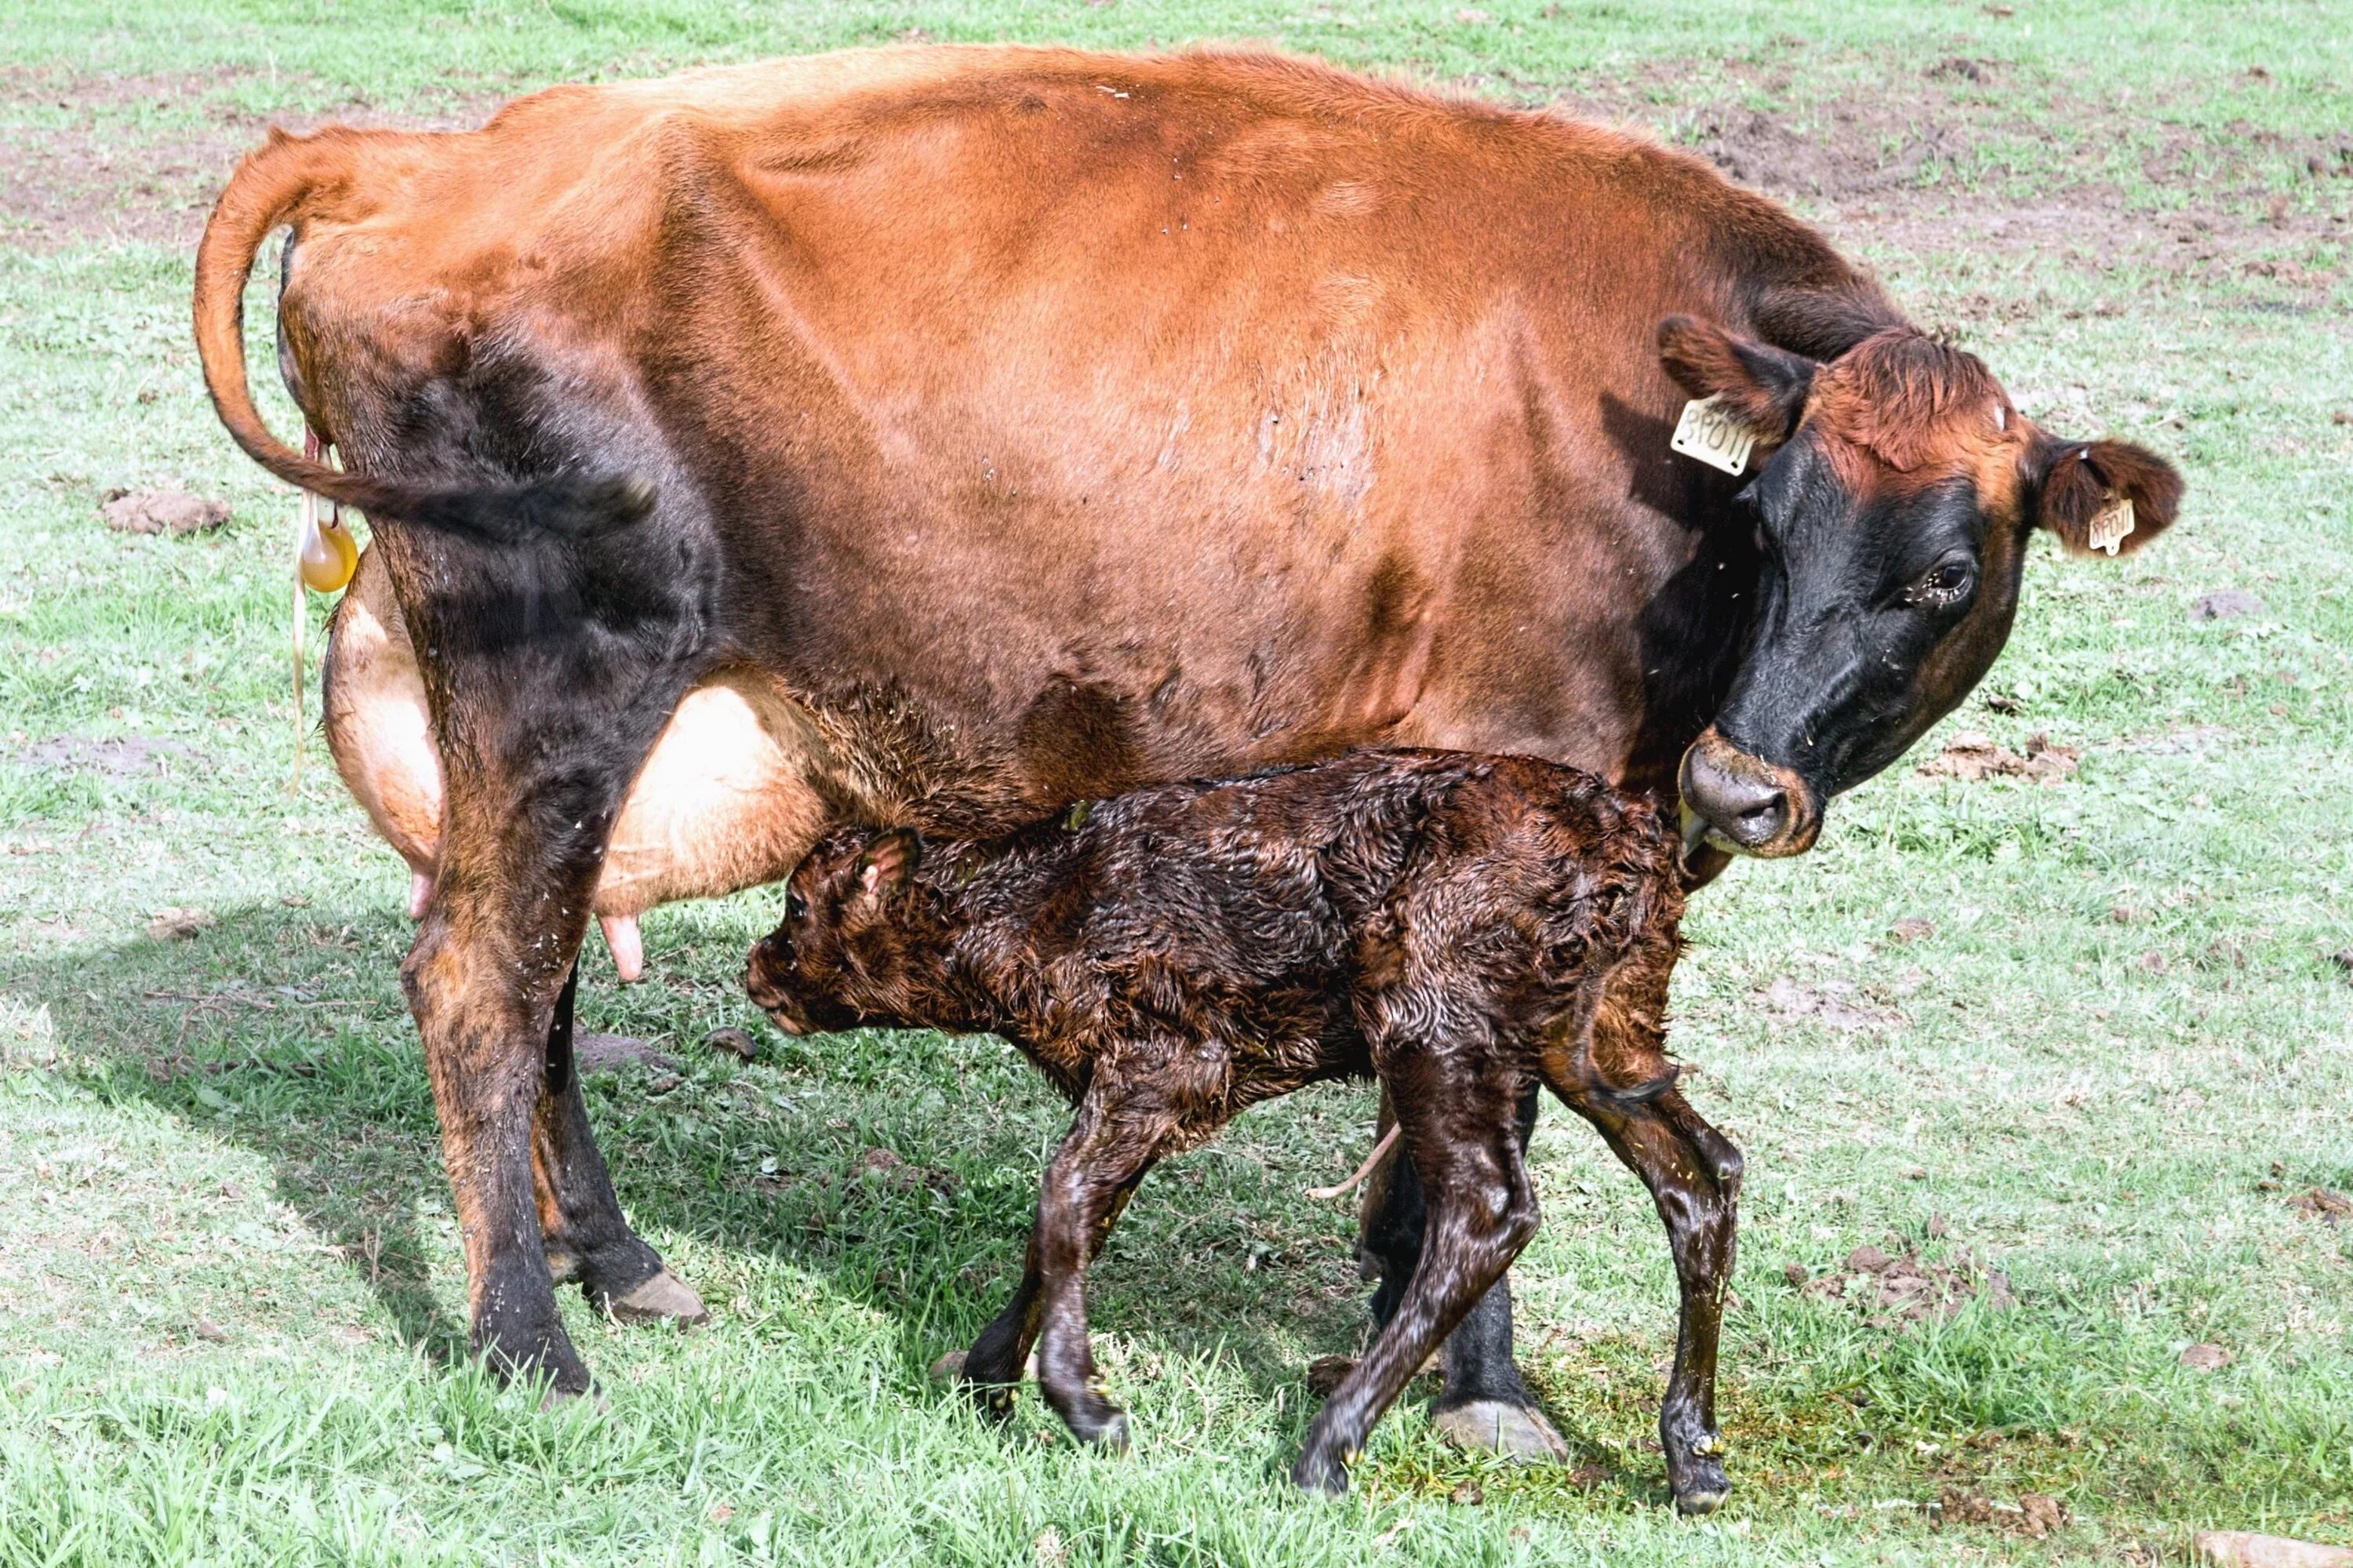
(1897, 492)
(852, 947)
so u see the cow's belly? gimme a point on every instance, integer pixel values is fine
(727, 799)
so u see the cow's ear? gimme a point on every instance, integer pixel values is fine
(1762, 386)
(2110, 496)
(888, 861)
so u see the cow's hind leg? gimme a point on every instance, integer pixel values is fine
(553, 669)
(1482, 1402)
(1480, 1209)
(579, 1214)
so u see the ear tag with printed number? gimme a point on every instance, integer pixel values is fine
(1709, 432)
(2113, 523)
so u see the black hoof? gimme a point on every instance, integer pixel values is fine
(1107, 1434)
(1699, 1484)
(1322, 1472)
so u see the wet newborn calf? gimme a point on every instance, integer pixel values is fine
(1459, 926)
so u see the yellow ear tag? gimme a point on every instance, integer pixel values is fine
(1708, 432)
(2111, 524)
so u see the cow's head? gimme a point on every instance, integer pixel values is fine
(1892, 507)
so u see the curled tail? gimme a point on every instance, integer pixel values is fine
(276, 184)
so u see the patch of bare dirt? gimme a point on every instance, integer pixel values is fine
(162, 512)
(1972, 756)
(118, 757)
(142, 157)
(1832, 1003)
(1898, 1291)
(1924, 161)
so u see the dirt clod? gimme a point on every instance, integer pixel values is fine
(1795, 1274)
(2225, 604)
(177, 924)
(2040, 1514)
(1912, 929)
(1898, 1291)
(2206, 1357)
(1468, 1494)
(2320, 1204)
(733, 1041)
(604, 1052)
(1325, 1373)
(162, 512)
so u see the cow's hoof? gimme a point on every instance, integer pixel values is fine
(1514, 1432)
(949, 1368)
(664, 1297)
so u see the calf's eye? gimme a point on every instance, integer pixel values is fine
(796, 906)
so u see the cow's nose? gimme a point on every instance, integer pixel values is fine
(1752, 805)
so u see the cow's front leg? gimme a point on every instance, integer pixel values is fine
(579, 1214)
(1482, 1402)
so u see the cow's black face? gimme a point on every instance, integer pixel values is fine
(1893, 521)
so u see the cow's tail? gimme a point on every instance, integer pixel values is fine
(275, 185)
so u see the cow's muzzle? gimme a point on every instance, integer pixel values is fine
(1744, 804)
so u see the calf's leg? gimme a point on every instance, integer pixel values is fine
(1115, 1139)
(1619, 1078)
(1480, 1210)
(1694, 1175)
(1482, 1403)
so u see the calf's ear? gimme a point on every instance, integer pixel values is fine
(2109, 496)
(1764, 387)
(888, 861)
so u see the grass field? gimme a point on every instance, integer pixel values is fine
(2090, 1097)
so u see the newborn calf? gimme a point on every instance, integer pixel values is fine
(1457, 925)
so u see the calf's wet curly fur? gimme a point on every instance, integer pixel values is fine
(1459, 927)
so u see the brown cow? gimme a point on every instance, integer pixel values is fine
(938, 436)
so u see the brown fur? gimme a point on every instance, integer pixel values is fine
(1462, 928)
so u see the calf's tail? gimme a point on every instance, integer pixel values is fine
(280, 183)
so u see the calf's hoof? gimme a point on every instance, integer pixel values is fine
(1322, 1472)
(948, 1369)
(1516, 1432)
(662, 1297)
(1105, 1434)
(1698, 1481)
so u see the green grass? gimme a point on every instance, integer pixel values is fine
(229, 1282)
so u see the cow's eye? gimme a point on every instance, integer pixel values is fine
(796, 906)
(1947, 582)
